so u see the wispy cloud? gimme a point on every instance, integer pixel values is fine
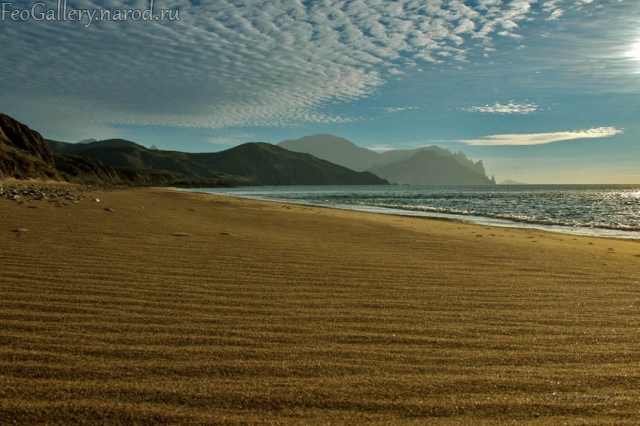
(543, 138)
(399, 109)
(380, 148)
(510, 108)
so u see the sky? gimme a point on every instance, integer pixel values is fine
(542, 91)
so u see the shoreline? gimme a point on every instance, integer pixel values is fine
(469, 219)
(161, 306)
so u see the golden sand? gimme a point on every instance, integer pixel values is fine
(261, 312)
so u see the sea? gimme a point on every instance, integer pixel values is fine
(593, 210)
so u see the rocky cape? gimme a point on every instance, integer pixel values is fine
(430, 165)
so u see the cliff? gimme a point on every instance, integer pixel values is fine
(24, 154)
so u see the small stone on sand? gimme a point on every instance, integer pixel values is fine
(108, 209)
(181, 234)
(20, 230)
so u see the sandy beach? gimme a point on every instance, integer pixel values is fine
(156, 306)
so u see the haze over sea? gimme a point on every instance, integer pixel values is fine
(596, 210)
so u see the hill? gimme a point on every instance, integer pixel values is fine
(25, 154)
(394, 165)
(273, 165)
(252, 163)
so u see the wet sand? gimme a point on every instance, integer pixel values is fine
(157, 306)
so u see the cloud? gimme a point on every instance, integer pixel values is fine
(556, 15)
(399, 109)
(380, 148)
(510, 108)
(543, 138)
(237, 63)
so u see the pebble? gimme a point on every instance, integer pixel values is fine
(181, 234)
(20, 230)
(23, 192)
(108, 209)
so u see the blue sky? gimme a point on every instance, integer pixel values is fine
(543, 91)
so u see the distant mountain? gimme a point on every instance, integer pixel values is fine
(24, 154)
(334, 149)
(88, 141)
(428, 168)
(398, 166)
(247, 164)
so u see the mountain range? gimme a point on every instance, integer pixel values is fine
(430, 165)
(25, 154)
(254, 163)
(312, 160)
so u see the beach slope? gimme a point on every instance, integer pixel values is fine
(155, 306)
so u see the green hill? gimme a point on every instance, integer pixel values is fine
(248, 164)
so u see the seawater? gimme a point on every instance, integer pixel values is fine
(597, 210)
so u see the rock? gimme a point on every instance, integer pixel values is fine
(225, 233)
(30, 155)
(181, 234)
(108, 209)
(20, 230)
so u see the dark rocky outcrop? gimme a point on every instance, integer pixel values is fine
(24, 154)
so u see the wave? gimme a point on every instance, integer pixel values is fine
(518, 218)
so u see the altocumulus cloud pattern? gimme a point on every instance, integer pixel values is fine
(246, 63)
